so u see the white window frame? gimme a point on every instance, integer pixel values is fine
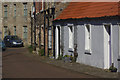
(50, 38)
(88, 34)
(71, 36)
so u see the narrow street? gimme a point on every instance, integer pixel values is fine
(17, 65)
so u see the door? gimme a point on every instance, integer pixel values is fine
(25, 33)
(107, 46)
(57, 41)
(5, 31)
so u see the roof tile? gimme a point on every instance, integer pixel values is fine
(89, 9)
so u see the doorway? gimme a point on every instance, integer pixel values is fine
(107, 46)
(57, 41)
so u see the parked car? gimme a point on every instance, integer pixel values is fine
(2, 45)
(13, 41)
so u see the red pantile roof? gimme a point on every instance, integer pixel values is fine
(77, 10)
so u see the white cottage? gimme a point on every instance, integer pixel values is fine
(94, 27)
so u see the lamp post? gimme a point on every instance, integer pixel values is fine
(44, 31)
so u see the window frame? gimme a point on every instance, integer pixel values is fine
(15, 10)
(25, 9)
(50, 37)
(15, 33)
(5, 11)
(89, 50)
(71, 31)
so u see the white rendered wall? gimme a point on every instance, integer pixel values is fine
(115, 39)
(98, 54)
(97, 57)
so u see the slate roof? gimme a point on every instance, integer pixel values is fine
(77, 10)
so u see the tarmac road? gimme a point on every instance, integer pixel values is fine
(17, 65)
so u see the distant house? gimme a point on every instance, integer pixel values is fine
(94, 27)
(16, 20)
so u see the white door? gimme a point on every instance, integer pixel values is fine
(57, 41)
(107, 46)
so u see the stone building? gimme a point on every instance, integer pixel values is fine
(16, 20)
(0, 20)
(45, 16)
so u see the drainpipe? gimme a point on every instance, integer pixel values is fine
(34, 28)
(119, 48)
(44, 31)
(112, 46)
(48, 34)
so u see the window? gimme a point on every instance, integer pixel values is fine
(5, 31)
(25, 33)
(14, 10)
(50, 38)
(5, 10)
(14, 30)
(25, 9)
(88, 38)
(70, 37)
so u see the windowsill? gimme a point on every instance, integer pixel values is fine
(70, 50)
(88, 52)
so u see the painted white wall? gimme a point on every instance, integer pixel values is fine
(98, 49)
(119, 51)
(96, 58)
(66, 40)
(115, 32)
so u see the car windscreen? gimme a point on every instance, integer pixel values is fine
(15, 38)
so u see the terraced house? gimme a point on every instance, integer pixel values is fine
(16, 20)
(45, 31)
(93, 30)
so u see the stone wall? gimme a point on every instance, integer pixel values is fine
(19, 21)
